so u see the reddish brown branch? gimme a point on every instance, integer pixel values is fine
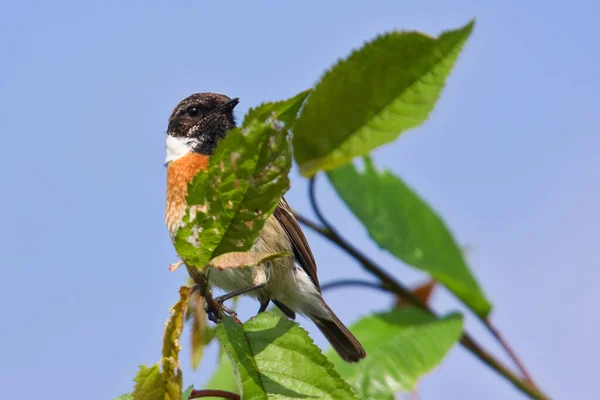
(196, 394)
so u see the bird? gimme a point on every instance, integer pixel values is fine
(195, 126)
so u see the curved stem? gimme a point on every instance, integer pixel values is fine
(313, 202)
(387, 280)
(467, 341)
(353, 282)
(327, 229)
(509, 350)
(329, 232)
(196, 394)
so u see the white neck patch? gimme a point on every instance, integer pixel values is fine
(178, 147)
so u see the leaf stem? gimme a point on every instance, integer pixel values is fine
(353, 282)
(329, 232)
(487, 322)
(509, 350)
(196, 394)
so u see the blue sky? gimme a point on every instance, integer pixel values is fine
(509, 158)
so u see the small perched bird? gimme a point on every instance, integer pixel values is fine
(291, 283)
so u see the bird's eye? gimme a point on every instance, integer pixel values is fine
(193, 111)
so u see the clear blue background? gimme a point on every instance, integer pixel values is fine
(509, 158)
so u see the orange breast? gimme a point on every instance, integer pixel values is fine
(179, 173)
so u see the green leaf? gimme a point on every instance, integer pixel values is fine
(174, 325)
(238, 259)
(224, 377)
(229, 204)
(402, 346)
(127, 396)
(402, 223)
(186, 394)
(171, 346)
(275, 359)
(284, 110)
(386, 87)
(149, 383)
(153, 384)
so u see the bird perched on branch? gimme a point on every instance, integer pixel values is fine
(291, 283)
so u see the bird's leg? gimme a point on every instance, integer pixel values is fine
(225, 297)
(214, 306)
(213, 310)
(263, 306)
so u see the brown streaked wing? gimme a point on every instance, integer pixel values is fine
(302, 252)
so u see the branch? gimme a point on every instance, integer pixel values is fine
(353, 282)
(329, 232)
(485, 321)
(196, 394)
(509, 350)
(313, 202)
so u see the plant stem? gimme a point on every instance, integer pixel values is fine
(488, 323)
(509, 350)
(196, 394)
(398, 288)
(352, 282)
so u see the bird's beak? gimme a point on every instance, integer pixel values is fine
(232, 103)
(226, 107)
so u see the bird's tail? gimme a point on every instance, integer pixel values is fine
(340, 338)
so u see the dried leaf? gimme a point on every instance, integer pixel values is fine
(422, 292)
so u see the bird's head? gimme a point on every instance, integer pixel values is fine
(197, 123)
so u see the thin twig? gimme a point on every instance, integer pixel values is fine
(317, 210)
(373, 285)
(509, 350)
(353, 282)
(196, 394)
(407, 295)
(386, 279)
(328, 231)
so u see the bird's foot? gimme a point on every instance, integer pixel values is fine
(214, 311)
(214, 306)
